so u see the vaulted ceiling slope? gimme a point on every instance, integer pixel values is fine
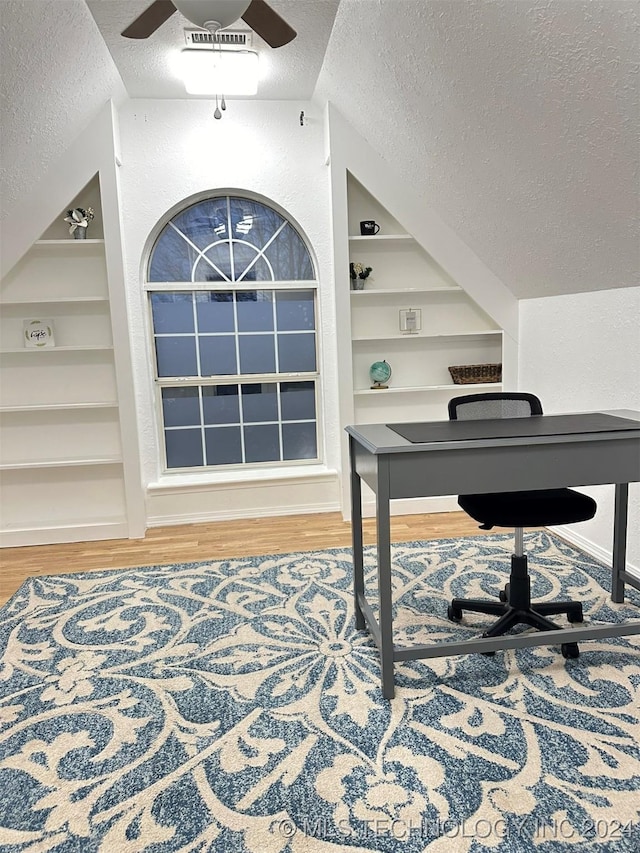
(56, 75)
(517, 122)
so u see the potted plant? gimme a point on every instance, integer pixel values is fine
(79, 219)
(359, 274)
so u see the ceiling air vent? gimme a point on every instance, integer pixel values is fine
(236, 39)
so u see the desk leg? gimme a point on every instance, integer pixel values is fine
(619, 541)
(356, 536)
(385, 615)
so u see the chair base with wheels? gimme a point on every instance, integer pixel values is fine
(518, 510)
(515, 606)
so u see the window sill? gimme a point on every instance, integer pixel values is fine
(172, 483)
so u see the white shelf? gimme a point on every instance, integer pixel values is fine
(60, 463)
(53, 301)
(70, 241)
(54, 349)
(425, 389)
(379, 238)
(401, 291)
(48, 407)
(418, 337)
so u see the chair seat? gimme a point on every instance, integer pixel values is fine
(529, 509)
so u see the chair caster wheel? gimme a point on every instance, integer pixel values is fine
(575, 615)
(570, 650)
(503, 595)
(454, 613)
(487, 654)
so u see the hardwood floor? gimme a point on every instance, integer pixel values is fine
(215, 540)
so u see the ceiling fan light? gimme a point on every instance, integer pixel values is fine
(210, 72)
(200, 12)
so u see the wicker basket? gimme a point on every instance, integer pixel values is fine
(475, 374)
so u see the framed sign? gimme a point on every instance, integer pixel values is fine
(410, 321)
(38, 334)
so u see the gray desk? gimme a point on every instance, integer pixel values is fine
(457, 460)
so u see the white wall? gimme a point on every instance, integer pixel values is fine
(582, 353)
(172, 150)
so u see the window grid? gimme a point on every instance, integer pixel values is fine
(261, 254)
(243, 449)
(241, 422)
(270, 281)
(275, 333)
(194, 312)
(243, 446)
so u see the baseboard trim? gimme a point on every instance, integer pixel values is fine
(599, 553)
(65, 533)
(235, 515)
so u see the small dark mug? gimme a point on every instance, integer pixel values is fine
(369, 227)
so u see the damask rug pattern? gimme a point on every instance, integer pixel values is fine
(231, 706)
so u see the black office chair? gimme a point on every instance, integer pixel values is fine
(518, 510)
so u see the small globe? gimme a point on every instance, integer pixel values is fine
(380, 372)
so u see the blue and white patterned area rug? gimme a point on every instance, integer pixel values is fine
(231, 706)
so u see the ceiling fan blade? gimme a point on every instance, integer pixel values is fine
(148, 22)
(268, 24)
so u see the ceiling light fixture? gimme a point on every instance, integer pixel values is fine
(209, 72)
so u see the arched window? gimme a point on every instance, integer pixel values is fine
(232, 292)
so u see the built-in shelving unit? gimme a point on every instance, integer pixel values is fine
(61, 449)
(454, 330)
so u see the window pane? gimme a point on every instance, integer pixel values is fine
(223, 445)
(253, 222)
(257, 354)
(176, 356)
(259, 402)
(289, 257)
(215, 312)
(217, 355)
(255, 310)
(203, 222)
(297, 353)
(184, 448)
(214, 264)
(180, 406)
(172, 312)
(172, 257)
(295, 310)
(261, 443)
(206, 228)
(248, 265)
(220, 404)
(298, 401)
(299, 441)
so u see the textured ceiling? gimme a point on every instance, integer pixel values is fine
(148, 66)
(514, 120)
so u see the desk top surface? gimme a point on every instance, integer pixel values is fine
(541, 429)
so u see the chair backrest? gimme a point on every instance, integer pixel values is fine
(508, 404)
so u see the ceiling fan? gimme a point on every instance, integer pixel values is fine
(215, 15)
